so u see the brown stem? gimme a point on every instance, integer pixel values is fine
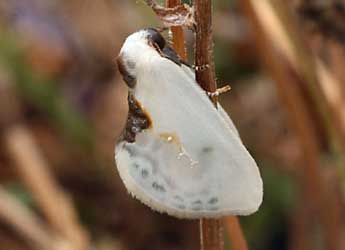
(238, 242)
(204, 62)
(211, 234)
(211, 237)
(211, 231)
(177, 33)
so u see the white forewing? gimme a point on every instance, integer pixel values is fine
(191, 163)
(191, 74)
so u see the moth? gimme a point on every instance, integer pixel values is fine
(178, 154)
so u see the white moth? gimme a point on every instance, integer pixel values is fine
(178, 154)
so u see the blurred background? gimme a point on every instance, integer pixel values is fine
(63, 104)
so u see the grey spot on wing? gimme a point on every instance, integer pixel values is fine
(152, 161)
(131, 150)
(207, 150)
(131, 65)
(138, 153)
(198, 202)
(178, 198)
(125, 67)
(213, 200)
(181, 206)
(196, 205)
(144, 173)
(158, 187)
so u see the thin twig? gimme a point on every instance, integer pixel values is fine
(33, 169)
(177, 33)
(24, 222)
(204, 61)
(179, 14)
(211, 231)
(238, 242)
(305, 64)
(278, 49)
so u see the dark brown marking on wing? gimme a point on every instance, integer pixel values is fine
(137, 120)
(129, 79)
(156, 37)
(157, 41)
(171, 54)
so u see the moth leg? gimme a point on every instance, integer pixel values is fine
(219, 91)
(201, 67)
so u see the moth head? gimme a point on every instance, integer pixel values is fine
(155, 39)
(138, 48)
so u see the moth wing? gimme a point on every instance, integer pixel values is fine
(227, 120)
(191, 163)
(191, 74)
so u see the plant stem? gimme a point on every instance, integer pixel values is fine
(205, 75)
(211, 234)
(211, 230)
(238, 242)
(211, 237)
(178, 36)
